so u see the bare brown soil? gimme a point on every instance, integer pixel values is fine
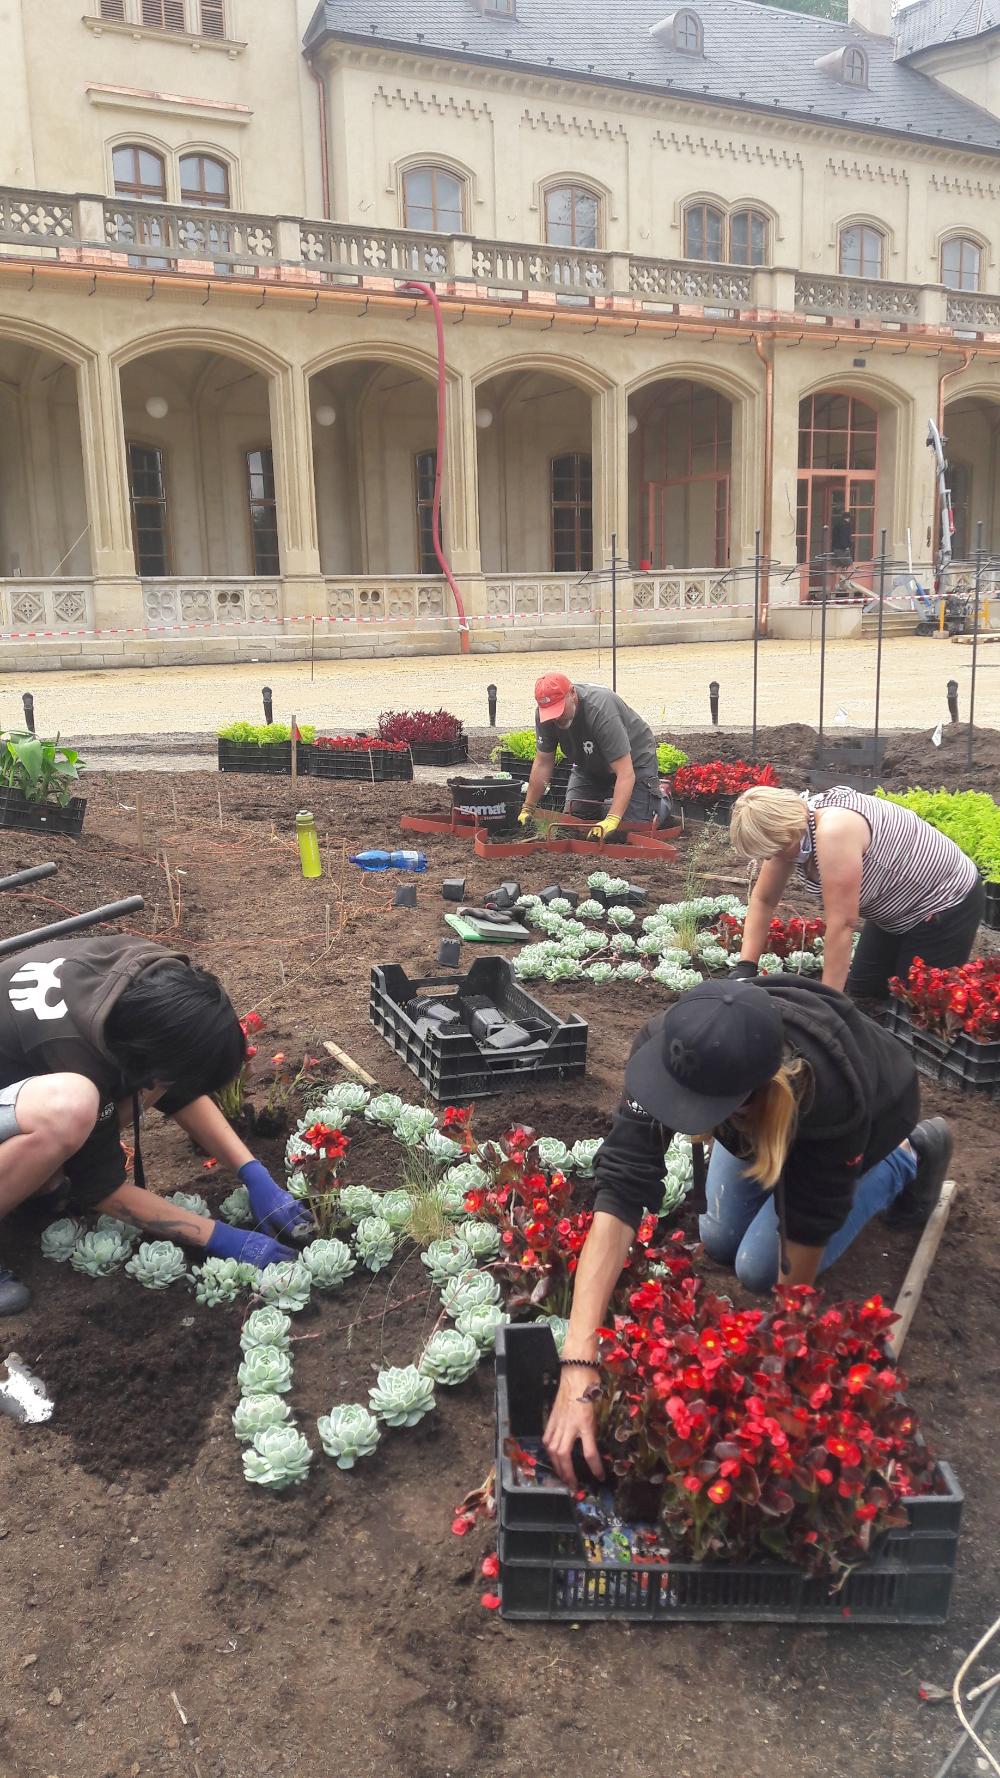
(338, 1630)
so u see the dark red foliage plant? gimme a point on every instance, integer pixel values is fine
(410, 726)
(358, 744)
(716, 777)
(778, 1432)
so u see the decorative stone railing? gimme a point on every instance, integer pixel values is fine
(681, 590)
(524, 596)
(188, 602)
(393, 599)
(42, 606)
(220, 242)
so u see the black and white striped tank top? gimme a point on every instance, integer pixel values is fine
(910, 870)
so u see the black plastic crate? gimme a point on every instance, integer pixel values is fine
(546, 1574)
(452, 1068)
(371, 768)
(991, 913)
(521, 770)
(961, 1061)
(436, 753)
(698, 810)
(19, 812)
(274, 757)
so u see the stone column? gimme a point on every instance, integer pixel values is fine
(461, 496)
(295, 491)
(610, 476)
(117, 592)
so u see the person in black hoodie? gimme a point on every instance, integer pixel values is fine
(814, 1111)
(93, 1030)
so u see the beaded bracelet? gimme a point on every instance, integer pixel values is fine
(589, 1364)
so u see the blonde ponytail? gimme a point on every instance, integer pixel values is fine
(771, 1118)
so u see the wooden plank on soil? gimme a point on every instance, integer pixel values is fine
(920, 1265)
(348, 1062)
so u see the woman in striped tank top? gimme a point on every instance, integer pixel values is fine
(873, 864)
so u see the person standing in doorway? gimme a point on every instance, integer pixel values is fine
(611, 749)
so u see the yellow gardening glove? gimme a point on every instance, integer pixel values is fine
(605, 827)
(526, 817)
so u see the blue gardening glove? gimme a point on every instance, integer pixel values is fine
(273, 1208)
(225, 1242)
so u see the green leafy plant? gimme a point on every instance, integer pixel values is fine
(287, 1285)
(521, 742)
(449, 1357)
(348, 1433)
(668, 759)
(329, 1262)
(236, 1208)
(256, 1413)
(266, 1370)
(969, 817)
(60, 1238)
(220, 1281)
(264, 734)
(99, 1253)
(448, 1258)
(41, 771)
(401, 1396)
(480, 1322)
(265, 1327)
(278, 1458)
(157, 1264)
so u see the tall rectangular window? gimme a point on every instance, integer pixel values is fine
(425, 472)
(263, 512)
(213, 18)
(148, 490)
(572, 514)
(113, 9)
(164, 15)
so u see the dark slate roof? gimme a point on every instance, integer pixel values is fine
(933, 22)
(756, 57)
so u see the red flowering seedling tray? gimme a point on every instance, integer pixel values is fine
(364, 766)
(546, 1574)
(966, 1063)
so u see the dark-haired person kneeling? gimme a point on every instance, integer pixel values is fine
(91, 1031)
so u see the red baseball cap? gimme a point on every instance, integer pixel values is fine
(551, 692)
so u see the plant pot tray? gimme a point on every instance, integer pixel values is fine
(452, 1067)
(434, 753)
(961, 1062)
(18, 812)
(546, 1573)
(273, 758)
(991, 913)
(521, 770)
(719, 810)
(365, 767)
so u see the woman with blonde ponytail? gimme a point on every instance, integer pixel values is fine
(813, 1111)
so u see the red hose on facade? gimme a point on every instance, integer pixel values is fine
(442, 436)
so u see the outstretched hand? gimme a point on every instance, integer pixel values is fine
(572, 1419)
(274, 1209)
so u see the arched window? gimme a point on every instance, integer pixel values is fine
(961, 263)
(705, 233)
(688, 35)
(204, 181)
(855, 67)
(572, 216)
(139, 173)
(433, 200)
(748, 238)
(263, 511)
(572, 513)
(148, 492)
(862, 251)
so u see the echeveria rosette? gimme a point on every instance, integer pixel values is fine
(591, 910)
(374, 1242)
(383, 1109)
(117, 1225)
(278, 1458)
(598, 973)
(563, 969)
(480, 1321)
(60, 1238)
(679, 1176)
(531, 963)
(558, 1326)
(287, 1285)
(584, 1155)
(442, 1148)
(328, 1262)
(673, 976)
(297, 1184)
(237, 1209)
(402, 1395)
(192, 1201)
(561, 904)
(255, 1413)
(348, 1433)
(629, 972)
(469, 1290)
(99, 1253)
(219, 1281)
(447, 1259)
(357, 1201)
(449, 1357)
(413, 1125)
(621, 917)
(396, 1207)
(157, 1264)
(482, 1239)
(265, 1327)
(266, 1370)
(451, 1198)
(348, 1095)
(553, 1155)
(467, 1176)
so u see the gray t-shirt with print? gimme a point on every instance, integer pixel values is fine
(603, 729)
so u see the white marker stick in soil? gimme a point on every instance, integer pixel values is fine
(920, 1265)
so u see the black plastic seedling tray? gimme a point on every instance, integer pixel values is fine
(991, 913)
(546, 1574)
(698, 810)
(521, 769)
(365, 767)
(961, 1062)
(451, 1066)
(436, 753)
(18, 812)
(274, 757)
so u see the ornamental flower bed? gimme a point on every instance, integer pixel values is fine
(715, 784)
(434, 737)
(674, 947)
(950, 1018)
(794, 946)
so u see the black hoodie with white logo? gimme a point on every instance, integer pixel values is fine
(862, 1100)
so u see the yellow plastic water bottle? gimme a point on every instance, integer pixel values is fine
(308, 838)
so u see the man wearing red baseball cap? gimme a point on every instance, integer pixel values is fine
(612, 751)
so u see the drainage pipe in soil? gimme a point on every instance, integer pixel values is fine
(115, 910)
(34, 875)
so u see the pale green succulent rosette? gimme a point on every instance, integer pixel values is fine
(60, 1238)
(402, 1395)
(192, 1201)
(447, 1259)
(329, 1262)
(449, 1357)
(98, 1254)
(480, 1321)
(266, 1327)
(255, 1413)
(266, 1370)
(237, 1209)
(218, 1281)
(157, 1264)
(278, 1458)
(286, 1285)
(374, 1242)
(348, 1433)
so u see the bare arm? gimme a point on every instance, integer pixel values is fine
(157, 1216)
(841, 839)
(206, 1125)
(601, 1259)
(540, 779)
(624, 773)
(803, 1263)
(762, 907)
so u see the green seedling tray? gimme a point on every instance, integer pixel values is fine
(477, 933)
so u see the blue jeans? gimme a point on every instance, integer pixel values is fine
(740, 1226)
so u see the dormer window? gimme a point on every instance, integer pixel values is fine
(850, 65)
(503, 9)
(682, 31)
